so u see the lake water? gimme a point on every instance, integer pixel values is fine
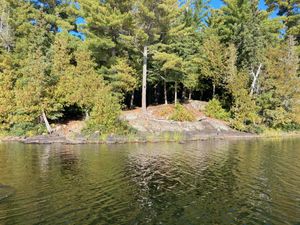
(217, 182)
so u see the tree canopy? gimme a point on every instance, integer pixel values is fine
(143, 52)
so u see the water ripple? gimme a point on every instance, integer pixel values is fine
(220, 182)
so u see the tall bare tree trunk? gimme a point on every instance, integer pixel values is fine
(113, 52)
(214, 90)
(176, 84)
(255, 79)
(155, 95)
(190, 94)
(49, 129)
(87, 115)
(132, 100)
(144, 86)
(183, 97)
(165, 92)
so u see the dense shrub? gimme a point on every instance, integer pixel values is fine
(214, 109)
(27, 129)
(105, 114)
(182, 114)
(291, 127)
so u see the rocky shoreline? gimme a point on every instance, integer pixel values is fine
(118, 139)
(178, 137)
(148, 128)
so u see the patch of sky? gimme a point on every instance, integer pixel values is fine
(216, 4)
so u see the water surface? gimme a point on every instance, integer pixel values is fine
(218, 182)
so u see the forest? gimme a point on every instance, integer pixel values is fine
(91, 59)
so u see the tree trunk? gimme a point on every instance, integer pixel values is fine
(132, 100)
(175, 92)
(87, 115)
(113, 52)
(165, 92)
(214, 90)
(183, 97)
(190, 94)
(155, 95)
(144, 86)
(201, 92)
(255, 79)
(49, 129)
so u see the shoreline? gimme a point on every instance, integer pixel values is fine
(167, 137)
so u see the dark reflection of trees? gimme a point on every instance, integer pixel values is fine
(64, 157)
(69, 160)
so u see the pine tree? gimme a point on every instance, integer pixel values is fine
(60, 15)
(7, 100)
(6, 32)
(107, 24)
(93, 96)
(35, 86)
(290, 10)
(123, 77)
(171, 65)
(176, 46)
(34, 91)
(279, 86)
(213, 61)
(147, 33)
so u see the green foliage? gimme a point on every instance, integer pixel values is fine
(105, 114)
(45, 69)
(213, 61)
(167, 136)
(250, 29)
(279, 97)
(182, 114)
(244, 109)
(290, 11)
(214, 109)
(27, 129)
(178, 136)
(7, 102)
(123, 77)
(291, 127)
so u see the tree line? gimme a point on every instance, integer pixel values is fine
(140, 52)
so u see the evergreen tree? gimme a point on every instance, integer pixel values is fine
(242, 23)
(171, 65)
(7, 99)
(290, 10)
(34, 91)
(107, 23)
(243, 108)
(213, 61)
(279, 86)
(6, 32)
(123, 77)
(177, 46)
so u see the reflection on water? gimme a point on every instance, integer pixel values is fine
(5, 192)
(222, 182)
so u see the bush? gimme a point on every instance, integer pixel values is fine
(105, 115)
(182, 114)
(291, 127)
(248, 127)
(214, 109)
(27, 129)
